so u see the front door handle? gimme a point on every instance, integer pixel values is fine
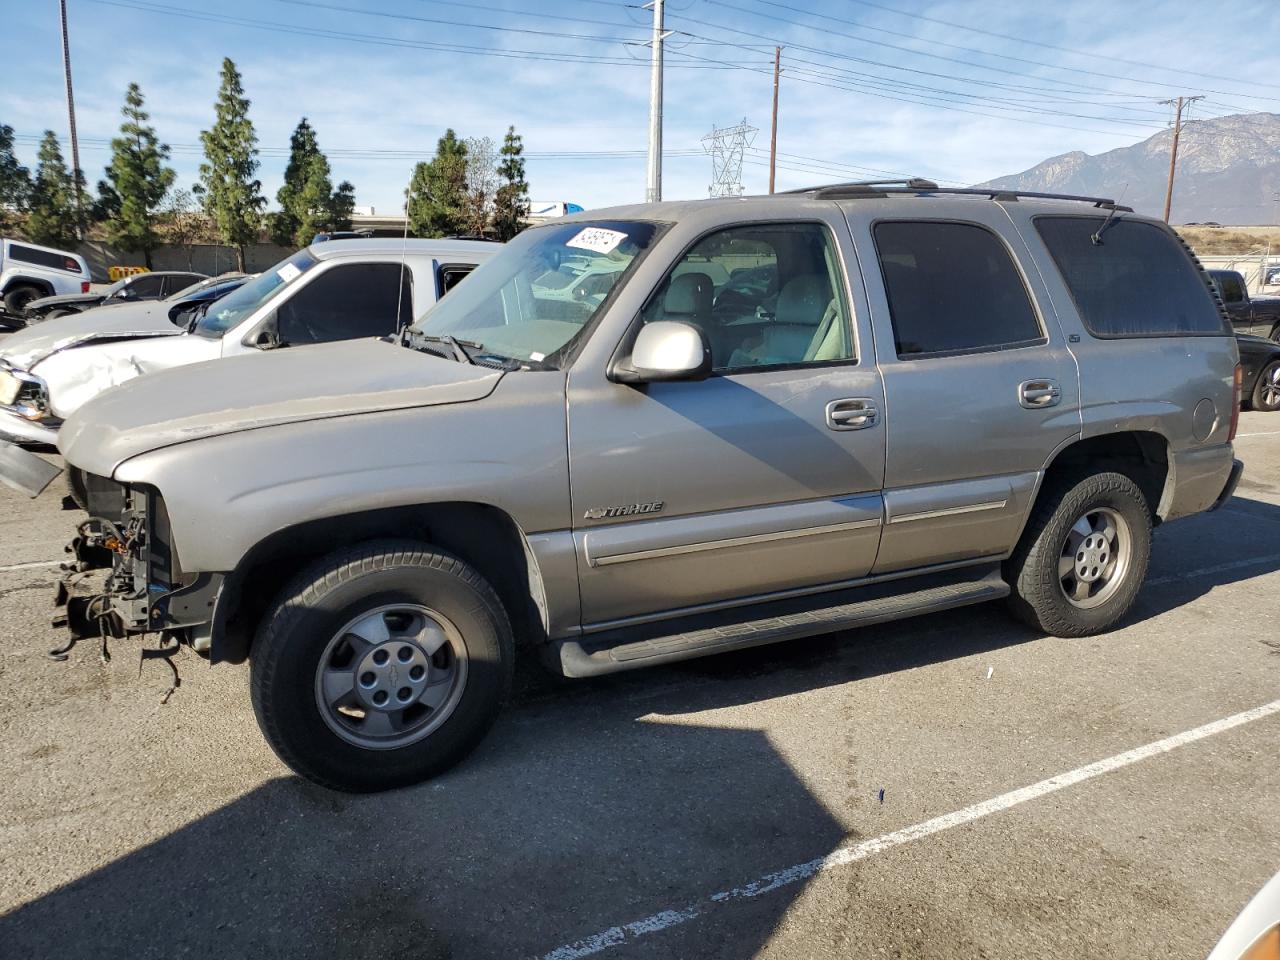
(855, 413)
(1036, 394)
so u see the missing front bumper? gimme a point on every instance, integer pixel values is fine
(24, 471)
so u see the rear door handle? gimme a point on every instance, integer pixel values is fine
(855, 413)
(1035, 394)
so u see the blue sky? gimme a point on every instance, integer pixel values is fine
(869, 88)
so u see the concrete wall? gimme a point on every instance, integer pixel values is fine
(202, 258)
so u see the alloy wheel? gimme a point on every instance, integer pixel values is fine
(1095, 557)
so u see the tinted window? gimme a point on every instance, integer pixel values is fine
(43, 258)
(1231, 287)
(952, 287)
(1137, 281)
(765, 295)
(451, 276)
(346, 302)
(146, 287)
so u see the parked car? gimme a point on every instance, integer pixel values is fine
(1255, 933)
(155, 285)
(953, 399)
(336, 290)
(1260, 378)
(1256, 315)
(28, 271)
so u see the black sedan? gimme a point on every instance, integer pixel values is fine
(142, 286)
(1260, 358)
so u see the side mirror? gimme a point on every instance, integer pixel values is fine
(267, 337)
(668, 350)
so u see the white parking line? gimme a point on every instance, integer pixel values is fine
(1260, 433)
(665, 919)
(1216, 568)
(30, 566)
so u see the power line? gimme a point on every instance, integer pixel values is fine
(376, 39)
(941, 43)
(1049, 46)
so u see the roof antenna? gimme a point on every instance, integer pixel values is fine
(1096, 239)
(404, 255)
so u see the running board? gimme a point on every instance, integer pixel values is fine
(859, 607)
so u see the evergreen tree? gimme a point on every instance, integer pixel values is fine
(15, 182)
(137, 178)
(438, 190)
(232, 196)
(308, 202)
(511, 204)
(343, 206)
(52, 220)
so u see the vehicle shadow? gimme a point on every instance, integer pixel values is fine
(591, 805)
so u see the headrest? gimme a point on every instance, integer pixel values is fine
(689, 295)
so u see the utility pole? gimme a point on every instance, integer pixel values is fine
(1173, 154)
(653, 190)
(71, 117)
(773, 133)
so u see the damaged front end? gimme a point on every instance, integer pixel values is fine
(146, 590)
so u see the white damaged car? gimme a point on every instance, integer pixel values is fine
(337, 290)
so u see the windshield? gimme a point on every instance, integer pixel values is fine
(237, 305)
(535, 298)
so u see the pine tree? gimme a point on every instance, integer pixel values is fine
(15, 182)
(52, 220)
(138, 178)
(438, 190)
(308, 202)
(511, 205)
(232, 196)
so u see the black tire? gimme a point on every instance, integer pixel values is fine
(17, 298)
(1266, 390)
(295, 633)
(77, 488)
(1039, 598)
(1275, 333)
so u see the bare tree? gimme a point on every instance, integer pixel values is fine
(482, 184)
(183, 224)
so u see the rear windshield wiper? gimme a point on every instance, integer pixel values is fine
(459, 347)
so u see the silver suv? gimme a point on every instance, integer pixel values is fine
(784, 416)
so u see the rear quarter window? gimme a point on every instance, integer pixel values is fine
(1137, 282)
(43, 258)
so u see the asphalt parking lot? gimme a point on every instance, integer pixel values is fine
(949, 787)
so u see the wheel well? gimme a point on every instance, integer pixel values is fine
(1140, 455)
(482, 535)
(42, 285)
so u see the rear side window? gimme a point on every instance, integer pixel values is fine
(952, 288)
(1137, 282)
(452, 275)
(43, 258)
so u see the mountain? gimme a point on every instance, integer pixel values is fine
(1228, 171)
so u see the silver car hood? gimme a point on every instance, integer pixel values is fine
(261, 390)
(119, 321)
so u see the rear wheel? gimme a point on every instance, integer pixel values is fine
(17, 298)
(1083, 555)
(381, 666)
(1266, 392)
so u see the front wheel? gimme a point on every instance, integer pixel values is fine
(381, 666)
(1266, 392)
(1083, 556)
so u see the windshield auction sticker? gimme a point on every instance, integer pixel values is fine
(288, 272)
(597, 239)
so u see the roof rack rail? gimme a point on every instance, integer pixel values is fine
(870, 189)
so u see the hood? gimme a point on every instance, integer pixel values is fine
(291, 385)
(1248, 341)
(66, 298)
(123, 321)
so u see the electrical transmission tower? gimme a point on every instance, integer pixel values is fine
(728, 146)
